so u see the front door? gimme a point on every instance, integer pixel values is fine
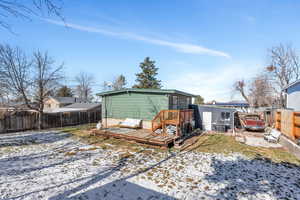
(206, 123)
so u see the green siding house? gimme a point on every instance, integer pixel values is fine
(140, 104)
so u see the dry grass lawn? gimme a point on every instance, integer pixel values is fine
(214, 143)
(227, 144)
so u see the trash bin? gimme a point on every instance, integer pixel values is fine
(219, 127)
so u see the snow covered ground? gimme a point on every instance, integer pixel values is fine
(52, 165)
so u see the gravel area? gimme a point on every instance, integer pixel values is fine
(53, 165)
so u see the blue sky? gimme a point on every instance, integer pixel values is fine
(200, 46)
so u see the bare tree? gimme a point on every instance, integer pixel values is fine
(27, 9)
(4, 97)
(284, 68)
(31, 79)
(84, 86)
(119, 82)
(257, 92)
(240, 87)
(15, 71)
(267, 88)
(45, 80)
(261, 92)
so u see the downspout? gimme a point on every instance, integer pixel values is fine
(285, 96)
(105, 103)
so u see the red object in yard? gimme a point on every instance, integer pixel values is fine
(253, 122)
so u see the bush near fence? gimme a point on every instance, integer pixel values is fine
(21, 121)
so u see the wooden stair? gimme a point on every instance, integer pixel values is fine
(176, 118)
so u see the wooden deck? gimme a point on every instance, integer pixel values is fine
(138, 135)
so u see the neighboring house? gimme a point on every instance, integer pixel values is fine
(58, 102)
(241, 106)
(293, 95)
(77, 107)
(85, 106)
(142, 104)
(214, 118)
(74, 114)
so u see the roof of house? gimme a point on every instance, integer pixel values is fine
(67, 99)
(216, 107)
(291, 84)
(230, 103)
(84, 105)
(153, 91)
(75, 107)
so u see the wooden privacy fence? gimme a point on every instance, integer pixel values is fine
(18, 121)
(288, 122)
(29, 120)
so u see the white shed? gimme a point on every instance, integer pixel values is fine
(293, 95)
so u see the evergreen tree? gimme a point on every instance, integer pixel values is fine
(199, 100)
(147, 78)
(64, 91)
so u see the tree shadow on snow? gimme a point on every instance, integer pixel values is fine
(44, 154)
(117, 189)
(34, 162)
(244, 177)
(32, 138)
(24, 165)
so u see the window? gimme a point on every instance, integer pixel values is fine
(174, 102)
(225, 116)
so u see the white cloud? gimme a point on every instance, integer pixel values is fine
(212, 85)
(180, 47)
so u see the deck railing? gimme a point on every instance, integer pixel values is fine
(176, 118)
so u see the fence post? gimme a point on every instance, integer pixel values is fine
(277, 120)
(61, 123)
(79, 117)
(294, 125)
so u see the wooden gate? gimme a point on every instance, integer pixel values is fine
(288, 122)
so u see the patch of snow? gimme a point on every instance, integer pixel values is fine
(260, 142)
(53, 165)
